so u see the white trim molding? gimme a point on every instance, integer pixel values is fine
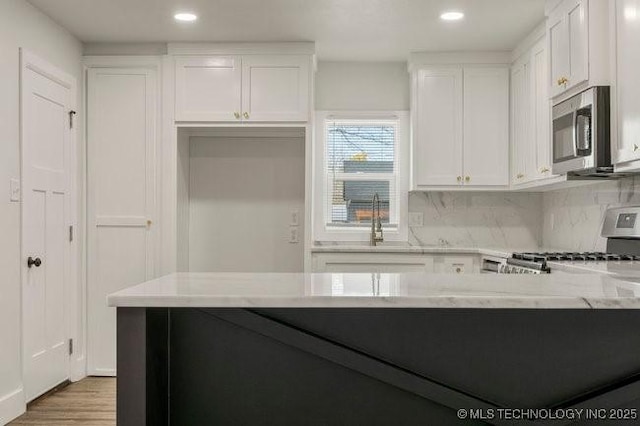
(12, 405)
(319, 228)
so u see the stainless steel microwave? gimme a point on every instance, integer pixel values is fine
(582, 134)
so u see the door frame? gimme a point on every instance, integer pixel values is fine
(32, 62)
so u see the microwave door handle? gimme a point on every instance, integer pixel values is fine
(575, 134)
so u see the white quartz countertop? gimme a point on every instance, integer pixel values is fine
(558, 290)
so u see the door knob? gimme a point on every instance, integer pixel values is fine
(34, 262)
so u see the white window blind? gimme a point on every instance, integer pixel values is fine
(360, 162)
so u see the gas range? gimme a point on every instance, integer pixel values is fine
(620, 227)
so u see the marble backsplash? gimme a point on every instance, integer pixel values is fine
(573, 217)
(455, 219)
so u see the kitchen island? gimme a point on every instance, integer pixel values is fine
(375, 349)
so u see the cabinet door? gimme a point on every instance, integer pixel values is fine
(541, 111)
(208, 88)
(578, 27)
(569, 43)
(627, 87)
(486, 126)
(438, 127)
(558, 35)
(520, 122)
(275, 88)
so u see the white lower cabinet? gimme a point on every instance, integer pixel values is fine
(395, 263)
(461, 127)
(371, 262)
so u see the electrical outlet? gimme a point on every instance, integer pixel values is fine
(416, 219)
(295, 217)
(14, 191)
(294, 235)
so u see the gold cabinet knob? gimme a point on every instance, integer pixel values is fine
(236, 115)
(467, 179)
(459, 178)
(519, 176)
(545, 170)
(149, 222)
(635, 147)
(246, 115)
(562, 80)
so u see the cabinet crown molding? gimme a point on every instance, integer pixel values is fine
(418, 59)
(242, 48)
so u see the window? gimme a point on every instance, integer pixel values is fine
(361, 155)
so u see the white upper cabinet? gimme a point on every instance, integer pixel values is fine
(437, 140)
(577, 32)
(530, 117)
(208, 88)
(627, 88)
(246, 88)
(486, 126)
(568, 40)
(461, 127)
(275, 88)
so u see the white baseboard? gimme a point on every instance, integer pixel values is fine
(12, 405)
(78, 370)
(104, 372)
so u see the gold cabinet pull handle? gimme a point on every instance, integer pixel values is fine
(246, 115)
(236, 115)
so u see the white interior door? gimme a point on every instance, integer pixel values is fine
(121, 196)
(46, 137)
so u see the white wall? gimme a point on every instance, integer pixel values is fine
(573, 217)
(362, 86)
(242, 191)
(21, 25)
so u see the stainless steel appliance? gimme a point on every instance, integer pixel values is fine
(582, 134)
(621, 227)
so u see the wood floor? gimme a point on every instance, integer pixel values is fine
(91, 402)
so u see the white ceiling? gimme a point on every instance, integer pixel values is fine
(342, 29)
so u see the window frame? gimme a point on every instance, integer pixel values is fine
(321, 206)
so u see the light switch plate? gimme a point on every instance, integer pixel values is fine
(295, 217)
(416, 219)
(14, 190)
(294, 235)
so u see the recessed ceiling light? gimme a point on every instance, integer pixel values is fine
(452, 16)
(185, 17)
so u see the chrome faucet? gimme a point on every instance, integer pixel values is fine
(376, 222)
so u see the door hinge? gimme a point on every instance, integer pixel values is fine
(70, 346)
(71, 233)
(71, 114)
